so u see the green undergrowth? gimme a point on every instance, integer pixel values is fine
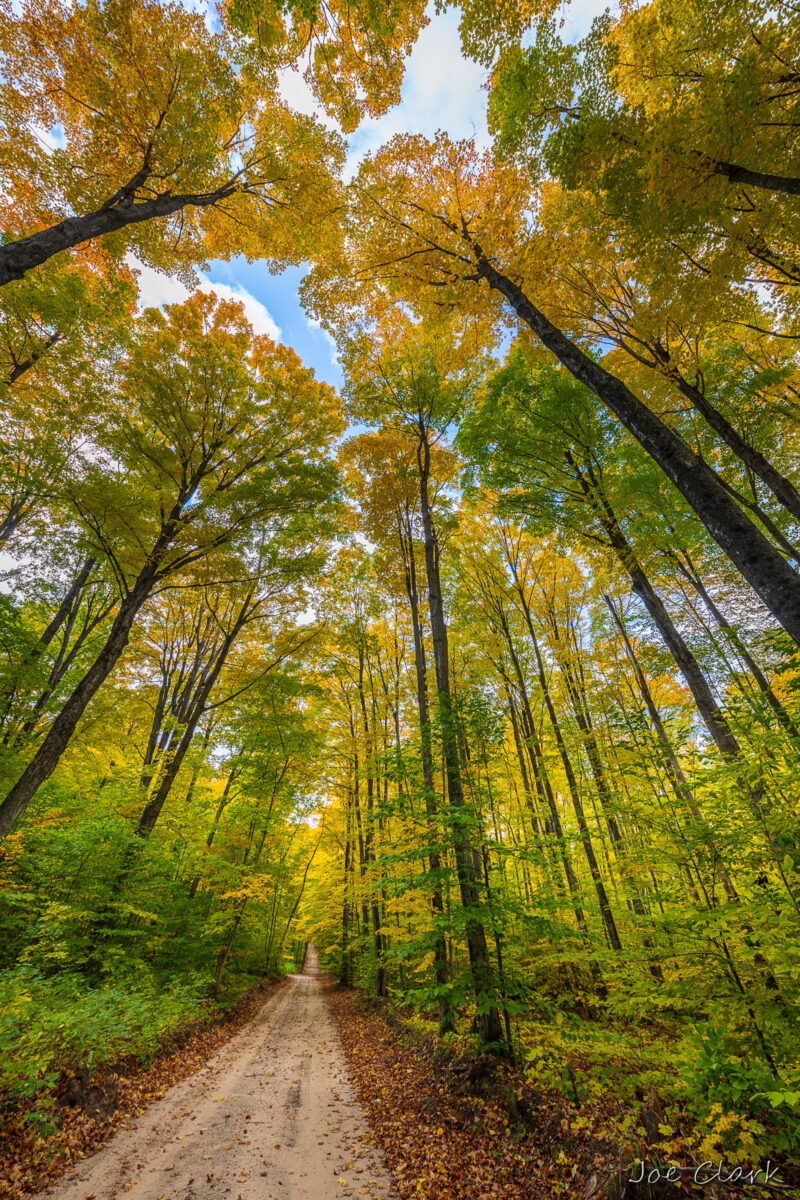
(54, 1025)
(94, 974)
(706, 1079)
(705, 1089)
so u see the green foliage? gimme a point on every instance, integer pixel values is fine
(725, 1072)
(507, 737)
(51, 1024)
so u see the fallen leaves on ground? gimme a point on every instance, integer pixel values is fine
(436, 1143)
(457, 1130)
(30, 1162)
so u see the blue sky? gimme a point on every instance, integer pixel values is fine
(441, 91)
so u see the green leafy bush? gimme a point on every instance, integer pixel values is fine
(47, 1024)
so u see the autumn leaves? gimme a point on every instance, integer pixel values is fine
(513, 765)
(173, 146)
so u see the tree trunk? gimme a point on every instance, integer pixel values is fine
(583, 718)
(487, 1020)
(678, 780)
(63, 618)
(369, 856)
(553, 824)
(690, 669)
(781, 487)
(759, 562)
(47, 756)
(607, 915)
(223, 802)
(783, 185)
(298, 898)
(689, 572)
(66, 606)
(346, 971)
(441, 969)
(14, 514)
(25, 364)
(17, 258)
(152, 809)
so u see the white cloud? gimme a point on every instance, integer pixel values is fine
(329, 340)
(51, 139)
(257, 313)
(442, 90)
(298, 95)
(156, 289)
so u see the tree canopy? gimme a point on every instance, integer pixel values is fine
(479, 673)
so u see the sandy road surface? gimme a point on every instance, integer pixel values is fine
(271, 1117)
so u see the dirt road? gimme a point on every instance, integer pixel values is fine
(271, 1117)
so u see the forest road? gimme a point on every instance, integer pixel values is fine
(272, 1116)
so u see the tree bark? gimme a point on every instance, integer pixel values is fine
(25, 364)
(781, 487)
(441, 968)
(369, 854)
(65, 607)
(679, 782)
(689, 572)
(690, 669)
(602, 896)
(16, 511)
(152, 809)
(784, 185)
(17, 258)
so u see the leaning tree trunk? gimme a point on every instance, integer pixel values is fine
(580, 707)
(152, 809)
(759, 562)
(21, 256)
(712, 715)
(609, 924)
(689, 571)
(223, 803)
(782, 488)
(674, 771)
(47, 756)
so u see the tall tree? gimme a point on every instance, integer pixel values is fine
(205, 160)
(426, 400)
(227, 442)
(433, 222)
